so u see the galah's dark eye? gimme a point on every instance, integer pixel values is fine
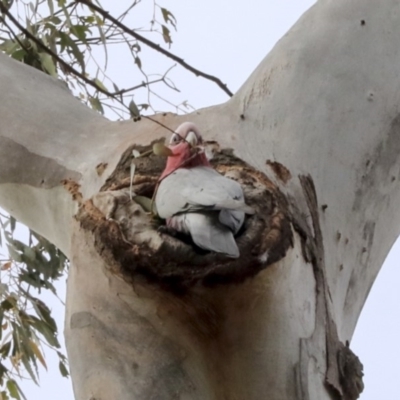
(175, 139)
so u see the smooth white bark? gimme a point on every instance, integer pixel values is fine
(324, 102)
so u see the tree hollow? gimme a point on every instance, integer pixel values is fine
(129, 238)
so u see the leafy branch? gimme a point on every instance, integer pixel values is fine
(26, 324)
(155, 46)
(47, 50)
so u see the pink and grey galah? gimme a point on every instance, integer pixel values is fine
(195, 199)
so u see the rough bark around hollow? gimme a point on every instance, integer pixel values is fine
(319, 119)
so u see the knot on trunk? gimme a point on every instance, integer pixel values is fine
(351, 373)
(129, 238)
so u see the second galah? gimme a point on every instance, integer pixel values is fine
(195, 199)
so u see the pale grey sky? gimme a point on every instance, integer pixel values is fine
(228, 38)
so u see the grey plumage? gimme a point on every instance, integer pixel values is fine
(201, 202)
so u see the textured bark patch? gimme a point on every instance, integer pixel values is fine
(81, 320)
(101, 168)
(359, 275)
(281, 172)
(344, 373)
(155, 370)
(130, 240)
(381, 164)
(73, 188)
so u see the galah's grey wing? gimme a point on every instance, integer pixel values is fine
(196, 189)
(207, 232)
(216, 191)
(233, 219)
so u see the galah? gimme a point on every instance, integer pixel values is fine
(195, 199)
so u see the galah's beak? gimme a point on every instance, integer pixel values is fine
(191, 138)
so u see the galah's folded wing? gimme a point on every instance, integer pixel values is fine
(196, 189)
(233, 219)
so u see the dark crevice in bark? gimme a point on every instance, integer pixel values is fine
(344, 370)
(130, 240)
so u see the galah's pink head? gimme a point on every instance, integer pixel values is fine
(185, 145)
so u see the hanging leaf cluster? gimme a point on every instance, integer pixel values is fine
(26, 323)
(72, 40)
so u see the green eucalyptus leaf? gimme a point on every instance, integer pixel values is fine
(100, 84)
(38, 353)
(9, 303)
(31, 279)
(29, 254)
(48, 64)
(4, 395)
(96, 104)
(5, 349)
(72, 48)
(160, 149)
(66, 13)
(116, 88)
(20, 392)
(9, 46)
(48, 334)
(168, 17)
(3, 371)
(138, 62)
(55, 20)
(133, 109)
(50, 4)
(13, 389)
(166, 34)
(80, 32)
(45, 314)
(146, 203)
(29, 369)
(63, 369)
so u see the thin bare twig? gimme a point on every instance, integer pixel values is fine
(143, 84)
(155, 46)
(159, 123)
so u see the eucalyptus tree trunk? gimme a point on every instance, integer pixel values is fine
(318, 125)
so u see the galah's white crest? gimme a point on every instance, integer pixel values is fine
(197, 200)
